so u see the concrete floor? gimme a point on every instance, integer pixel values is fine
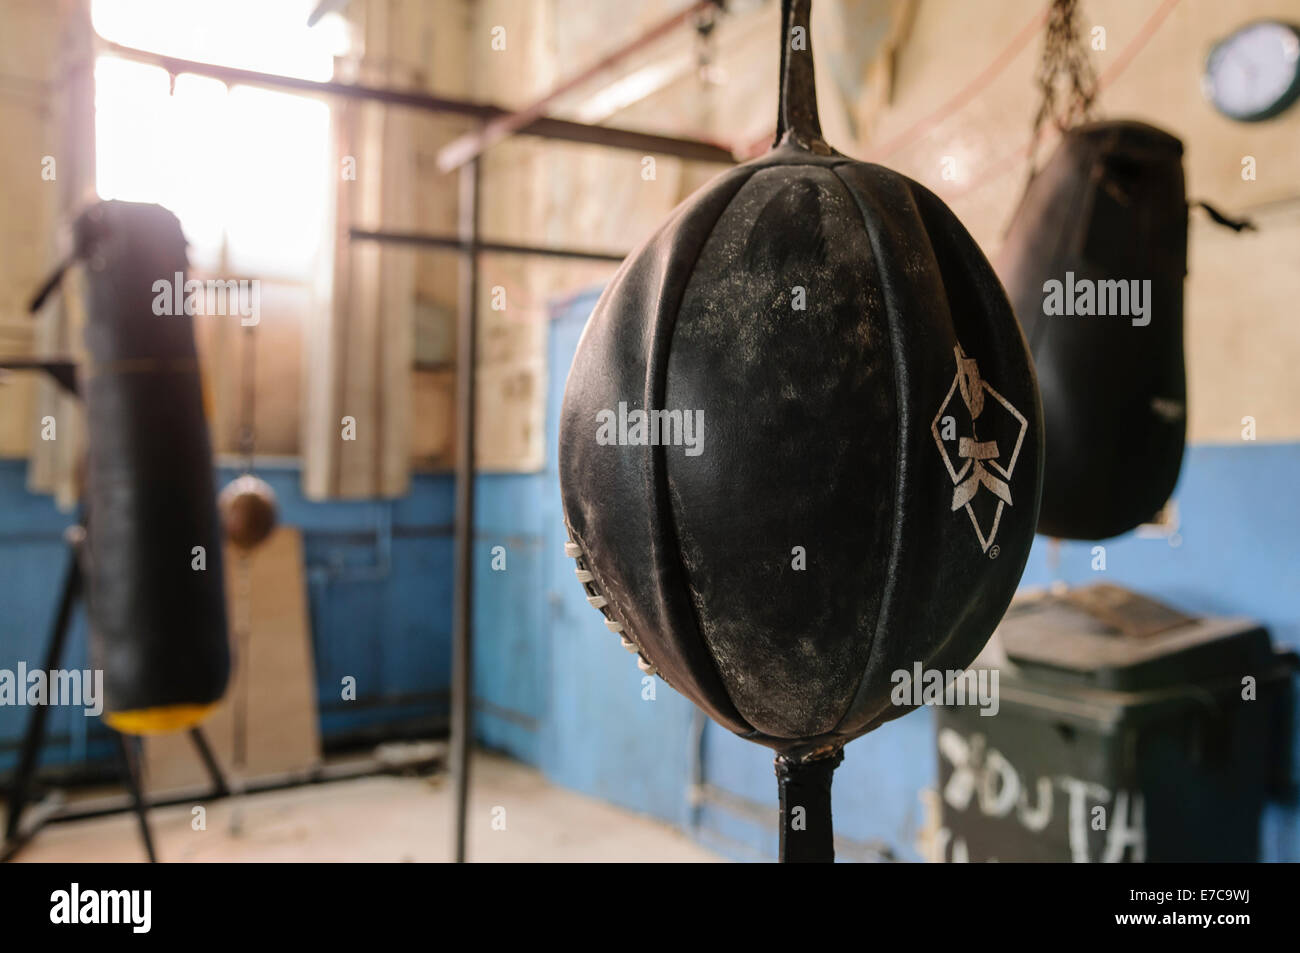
(381, 819)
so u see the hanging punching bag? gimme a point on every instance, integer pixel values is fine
(1093, 263)
(800, 447)
(156, 601)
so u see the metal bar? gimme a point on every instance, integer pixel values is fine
(544, 127)
(64, 372)
(762, 814)
(219, 785)
(131, 746)
(807, 836)
(472, 144)
(462, 611)
(35, 817)
(639, 142)
(34, 736)
(426, 240)
(48, 287)
(324, 7)
(106, 805)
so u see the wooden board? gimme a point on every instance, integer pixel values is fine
(273, 680)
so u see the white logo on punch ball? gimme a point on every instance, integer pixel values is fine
(980, 464)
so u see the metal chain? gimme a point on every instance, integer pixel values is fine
(243, 612)
(1065, 63)
(243, 569)
(706, 43)
(248, 399)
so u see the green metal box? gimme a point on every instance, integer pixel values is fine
(1124, 730)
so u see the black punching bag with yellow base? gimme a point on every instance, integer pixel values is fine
(156, 597)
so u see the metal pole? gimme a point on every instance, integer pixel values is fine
(210, 763)
(427, 240)
(34, 736)
(807, 836)
(462, 610)
(131, 746)
(544, 126)
(472, 144)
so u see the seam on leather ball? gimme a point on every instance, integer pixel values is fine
(891, 325)
(601, 603)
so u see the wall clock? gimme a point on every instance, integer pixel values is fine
(1254, 73)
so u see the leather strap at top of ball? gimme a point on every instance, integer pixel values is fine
(797, 120)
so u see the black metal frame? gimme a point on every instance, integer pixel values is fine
(129, 747)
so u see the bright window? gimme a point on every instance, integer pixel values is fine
(246, 169)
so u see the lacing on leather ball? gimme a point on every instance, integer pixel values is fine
(600, 602)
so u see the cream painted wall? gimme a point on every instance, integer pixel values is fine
(29, 44)
(1243, 339)
(1243, 332)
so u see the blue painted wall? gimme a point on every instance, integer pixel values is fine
(553, 687)
(511, 664)
(602, 736)
(379, 593)
(32, 561)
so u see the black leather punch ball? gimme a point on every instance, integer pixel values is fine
(157, 623)
(865, 395)
(1106, 217)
